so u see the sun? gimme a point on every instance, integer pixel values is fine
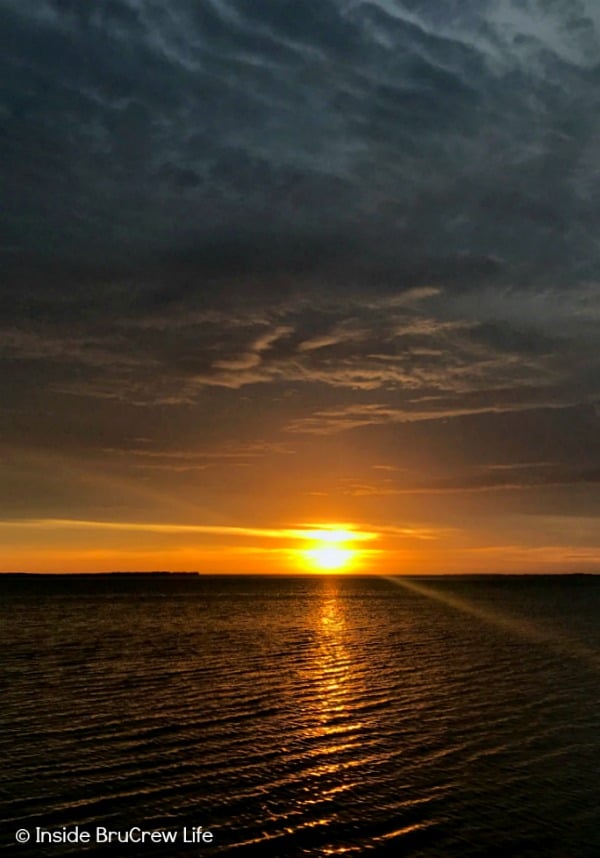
(329, 550)
(329, 556)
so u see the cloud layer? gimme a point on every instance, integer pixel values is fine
(438, 134)
(277, 225)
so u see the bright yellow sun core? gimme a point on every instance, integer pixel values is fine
(329, 550)
(329, 556)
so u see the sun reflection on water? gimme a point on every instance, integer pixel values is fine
(335, 684)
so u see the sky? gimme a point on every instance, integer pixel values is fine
(277, 266)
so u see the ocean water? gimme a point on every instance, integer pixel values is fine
(301, 716)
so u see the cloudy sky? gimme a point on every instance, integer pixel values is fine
(275, 263)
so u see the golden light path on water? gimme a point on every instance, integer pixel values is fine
(343, 740)
(518, 626)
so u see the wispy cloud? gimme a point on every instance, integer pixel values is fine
(351, 533)
(492, 478)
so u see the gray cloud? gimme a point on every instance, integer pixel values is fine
(427, 134)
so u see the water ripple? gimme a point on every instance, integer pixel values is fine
(306, 716)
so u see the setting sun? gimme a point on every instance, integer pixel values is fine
(330, 556)
(329, 549)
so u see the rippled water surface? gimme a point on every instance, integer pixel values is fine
(304, 716)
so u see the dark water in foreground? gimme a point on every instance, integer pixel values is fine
(303, 716)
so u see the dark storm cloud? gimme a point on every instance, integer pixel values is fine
(392, 201)
(428, 130)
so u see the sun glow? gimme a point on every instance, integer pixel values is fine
(330, 550)
(330, 556)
